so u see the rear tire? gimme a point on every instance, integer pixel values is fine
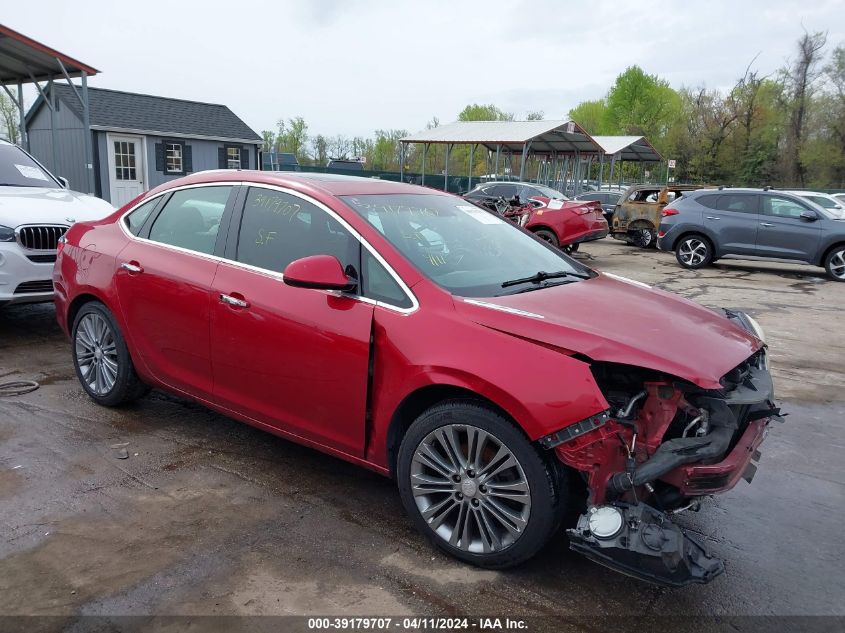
(571, 248)
(834, 263)
(643, 238)
(101, 358)
(547, 236)
(476, 487)
(694, 251)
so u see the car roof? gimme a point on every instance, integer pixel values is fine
(810, 193)
(332, 184)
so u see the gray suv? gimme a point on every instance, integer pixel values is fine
(707, 224)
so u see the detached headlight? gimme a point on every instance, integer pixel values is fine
(7, 234)
(758, 331)
(523, 219)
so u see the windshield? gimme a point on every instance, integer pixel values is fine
(461, 247)
(19, 170)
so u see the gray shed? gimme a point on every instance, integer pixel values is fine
(139, 141)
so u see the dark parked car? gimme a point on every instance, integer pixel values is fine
(509, 190)
(345, 164)
(707, 224)
(498, 381)
(607, 199)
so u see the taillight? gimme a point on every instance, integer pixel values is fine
(669, 211)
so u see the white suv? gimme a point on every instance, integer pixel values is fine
(35, 211)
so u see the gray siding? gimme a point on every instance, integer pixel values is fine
(203, 153)
(101, 164)
(70, 142)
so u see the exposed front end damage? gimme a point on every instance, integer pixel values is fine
(663, 444)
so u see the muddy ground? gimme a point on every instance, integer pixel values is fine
(209, 516)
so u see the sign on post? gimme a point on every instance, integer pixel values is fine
(671, 163)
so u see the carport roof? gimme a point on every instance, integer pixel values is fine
(635, 148)
(24, 60)
(546, 137)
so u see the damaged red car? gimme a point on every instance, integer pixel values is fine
(498, 381)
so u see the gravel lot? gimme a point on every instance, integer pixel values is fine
(210, 516)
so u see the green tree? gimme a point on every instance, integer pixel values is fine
(642, 104)
(489, 112)
(535, 115)
(593, 117)
(292, 137)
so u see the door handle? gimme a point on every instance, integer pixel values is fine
(713, 217)
(132, 268)
(234, 301)
(766, 224)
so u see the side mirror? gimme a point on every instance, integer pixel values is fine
(64, 182)
(322, 272)
(808, 216)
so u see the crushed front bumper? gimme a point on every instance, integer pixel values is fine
(639, 541)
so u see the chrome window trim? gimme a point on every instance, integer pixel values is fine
(269, 273)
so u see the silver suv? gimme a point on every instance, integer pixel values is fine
(705, 225)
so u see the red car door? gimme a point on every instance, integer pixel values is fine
(164, 282)
(292, 358)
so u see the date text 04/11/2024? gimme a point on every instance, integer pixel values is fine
(417, 623)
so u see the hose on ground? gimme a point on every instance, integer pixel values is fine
(17, 387)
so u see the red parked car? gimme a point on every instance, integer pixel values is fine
(407, 331)
(567, 223)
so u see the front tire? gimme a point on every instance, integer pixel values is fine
(694, 251)
(475, 486)
(834, 263)
(101, 358)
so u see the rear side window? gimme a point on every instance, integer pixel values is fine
(135, 220)
(191, 218)
(711, 201)
(741, 203)
(278, 228)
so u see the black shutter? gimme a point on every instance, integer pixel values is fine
(187, 159)
(244, 158)
(221, 158)
(160, 157)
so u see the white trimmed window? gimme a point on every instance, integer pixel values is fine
(173, 154)
(233, 157)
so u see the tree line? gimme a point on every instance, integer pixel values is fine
(784, 128)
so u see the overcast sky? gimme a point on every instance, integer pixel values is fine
(353, 66)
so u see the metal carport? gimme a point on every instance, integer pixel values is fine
(622, 148)
(554, 140)
(22, 61)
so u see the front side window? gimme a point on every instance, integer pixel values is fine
(191, 218)
(380, 285)
(135, 220)
(782, 207)
(278, 228)
(173, 153)
(461, 247)
(233, 158)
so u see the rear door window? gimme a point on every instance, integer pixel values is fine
(737, 202)
(191, 218)
(135, 220)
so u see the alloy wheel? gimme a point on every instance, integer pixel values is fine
(837, 265)
(470, 488)
(96, 353)
(693, 251)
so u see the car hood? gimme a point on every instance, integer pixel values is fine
(45, 205)
(611, 319)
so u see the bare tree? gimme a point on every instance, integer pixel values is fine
(799, 78)
(9, 117)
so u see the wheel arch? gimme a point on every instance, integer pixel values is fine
(828, 250)
(423, 398)
(76, 305)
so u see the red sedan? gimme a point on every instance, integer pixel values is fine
(407, 331)
(567, 223)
